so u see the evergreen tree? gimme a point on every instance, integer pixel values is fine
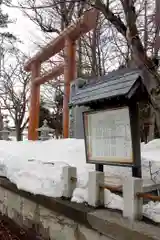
(4, 21)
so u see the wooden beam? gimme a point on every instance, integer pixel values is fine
(57, 71)
(86, 23)
(34, 105)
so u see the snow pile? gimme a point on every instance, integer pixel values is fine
(152, 211)
(37, 167)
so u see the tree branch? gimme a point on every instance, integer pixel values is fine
(111, 17)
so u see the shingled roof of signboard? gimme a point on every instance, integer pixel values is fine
(116, 83)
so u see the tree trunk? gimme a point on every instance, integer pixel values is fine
(57, 133)
(145, 37)
(79, 65)
(157, 25)
(94, 55)
(1, 124)
(151, 125)
(157, 116)
(80, 8)
(19, 136)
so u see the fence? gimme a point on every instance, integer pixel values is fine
(132, 189)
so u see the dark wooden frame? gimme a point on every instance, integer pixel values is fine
(135, 138)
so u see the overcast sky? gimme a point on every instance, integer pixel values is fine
(24, 28)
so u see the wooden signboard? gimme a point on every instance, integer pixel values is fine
(108, 137)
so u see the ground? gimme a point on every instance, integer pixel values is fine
(10, 231)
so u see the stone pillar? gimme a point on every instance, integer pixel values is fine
(76, 122)
(79, 128)
(133, 206)
(70, 180)
(95, 192)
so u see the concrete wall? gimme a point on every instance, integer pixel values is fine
(49, 224)
(59, 219)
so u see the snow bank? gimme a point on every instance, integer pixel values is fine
(37, 167)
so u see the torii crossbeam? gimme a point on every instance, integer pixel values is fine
(67, 41)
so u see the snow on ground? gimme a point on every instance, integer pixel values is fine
(37, 167)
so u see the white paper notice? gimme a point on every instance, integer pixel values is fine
(109, 136)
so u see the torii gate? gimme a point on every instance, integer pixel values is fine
(67, 41)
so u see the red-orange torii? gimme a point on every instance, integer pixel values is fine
(67, 41)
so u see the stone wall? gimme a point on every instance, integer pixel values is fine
(48, 224)
(58, 219)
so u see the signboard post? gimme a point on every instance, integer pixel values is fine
(111, 138)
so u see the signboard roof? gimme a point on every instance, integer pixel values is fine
(114, 84)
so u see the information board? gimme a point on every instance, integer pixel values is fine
(108, 136)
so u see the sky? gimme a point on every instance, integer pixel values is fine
(24, 28)
(26, 31)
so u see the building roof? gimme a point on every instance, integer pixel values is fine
(114, 84)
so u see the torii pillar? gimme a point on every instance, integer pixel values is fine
(70, 73)
(34, 103)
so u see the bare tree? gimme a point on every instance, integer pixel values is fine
(4, 35)
(131, 32)
(53, 16)
(126, 25)
(14, 92)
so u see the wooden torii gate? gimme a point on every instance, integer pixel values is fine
(67, 41)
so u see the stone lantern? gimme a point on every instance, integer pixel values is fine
(5, 132)
(45, 130)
